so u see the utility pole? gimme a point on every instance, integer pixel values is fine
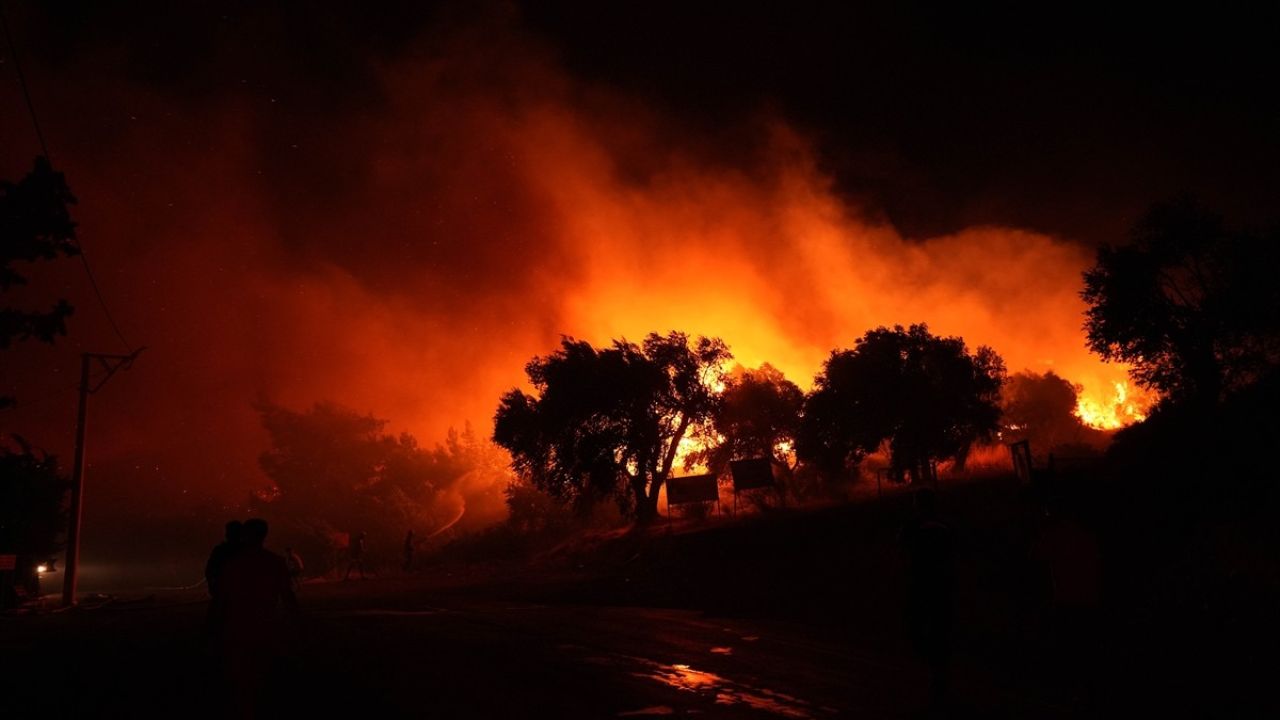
(109, 363)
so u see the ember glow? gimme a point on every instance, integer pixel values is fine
(409, 256)
(1120, 409)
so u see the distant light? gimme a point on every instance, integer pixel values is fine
(42, 569)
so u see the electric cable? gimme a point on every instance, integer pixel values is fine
(44, 148)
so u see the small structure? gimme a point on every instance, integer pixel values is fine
(751, 474)
(1021, 452)
(692, 490)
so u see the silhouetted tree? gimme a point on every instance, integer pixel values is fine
(531, 510)
(34, 225)
(1190, 304)
(758, 416)
(320, 458)
(31, 514)
(478, 473)
(609, 421)
(926, 396)
(1041, 408)
(335, 470)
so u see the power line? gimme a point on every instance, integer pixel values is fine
(38, 400)
(44, 148)
(31, 400)
(39, 406)
(22, 80)
(94, 283)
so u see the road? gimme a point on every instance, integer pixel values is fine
(404, 648)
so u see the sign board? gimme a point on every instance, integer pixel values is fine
(751, 474)
(692, 489)
(8, 562)
(1021, 452)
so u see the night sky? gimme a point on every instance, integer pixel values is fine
(1067, 120)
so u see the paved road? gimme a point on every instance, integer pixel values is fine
(391, 649)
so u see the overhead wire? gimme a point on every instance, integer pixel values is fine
(22, 80)
(44, 148)
(35, 399)
(40, 405)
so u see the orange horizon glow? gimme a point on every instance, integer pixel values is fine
(491, 204)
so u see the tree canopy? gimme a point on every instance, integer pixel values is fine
(608, 422)
(31, 494)
(335, 471)
(926, 396)
(1188, 302)
(758, 416)
(31, 513)
(1041, 408)
(35, 224)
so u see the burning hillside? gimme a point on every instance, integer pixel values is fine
(405, 252)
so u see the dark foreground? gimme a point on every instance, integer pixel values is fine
(419, 648)
(794, 615)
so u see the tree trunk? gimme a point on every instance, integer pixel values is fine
(646, 502)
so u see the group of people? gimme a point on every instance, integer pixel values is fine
(249, 585)
(358, 547)
(240, 535)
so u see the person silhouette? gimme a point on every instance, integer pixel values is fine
(408, 551)
(294, 562)
(356, 555)
(255, 584)
(221, 553)
(213, 570)
(929, 545)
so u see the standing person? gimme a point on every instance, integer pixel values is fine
(929, 545)
(213, 570)
(294, 562)
(255, 585)
(356, 555)
(408, 551)
(222, 552)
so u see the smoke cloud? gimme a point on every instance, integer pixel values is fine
(407, 250)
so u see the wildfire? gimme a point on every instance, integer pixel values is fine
(689, 445)
(551, 211)
(1121, 408)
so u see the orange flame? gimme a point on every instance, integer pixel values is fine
(505, 204)
(1115, 410)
